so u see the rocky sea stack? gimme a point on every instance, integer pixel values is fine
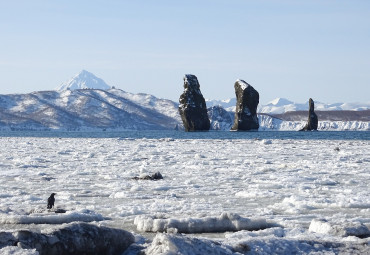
(192, 108)
(247, 99)
(313, 121)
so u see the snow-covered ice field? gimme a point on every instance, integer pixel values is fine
(306, 196)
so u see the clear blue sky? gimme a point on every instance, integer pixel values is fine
(292, 49)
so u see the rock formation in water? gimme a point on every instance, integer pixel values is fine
(75, 238)
(247, 99)
(192, 108)
(313, 121)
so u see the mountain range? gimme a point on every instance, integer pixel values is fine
(282, 105)
(86, 102)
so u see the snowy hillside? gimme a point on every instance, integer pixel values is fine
(227, 104)
(86, 102)
(282, 105)
(86, 109)
(84, 80)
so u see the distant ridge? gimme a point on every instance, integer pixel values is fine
(326, 115)
(84, 80)
(282, 105)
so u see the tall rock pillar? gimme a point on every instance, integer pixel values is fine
(313, 121)
(193, 108)
(247, 99)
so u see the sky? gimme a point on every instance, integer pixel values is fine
(291, 49)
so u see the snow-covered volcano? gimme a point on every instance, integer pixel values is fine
(84, 80)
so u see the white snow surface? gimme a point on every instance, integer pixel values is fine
(84, 80)
(295, 185)
(243, 85)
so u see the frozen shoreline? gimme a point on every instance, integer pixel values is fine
(290, 182)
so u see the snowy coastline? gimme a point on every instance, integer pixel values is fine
(268, 123)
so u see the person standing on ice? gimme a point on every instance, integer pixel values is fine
(51, 201)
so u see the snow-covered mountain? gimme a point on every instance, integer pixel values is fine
(282, 105)
(283, 114)
(88, 103)
(84, 80)
(86, 109)
(227, 104)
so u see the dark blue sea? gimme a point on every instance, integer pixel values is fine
(149, 134)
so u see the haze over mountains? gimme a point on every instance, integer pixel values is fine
(86, 102)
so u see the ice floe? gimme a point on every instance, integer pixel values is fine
(51, 217)
(341, 228)
(225, 222)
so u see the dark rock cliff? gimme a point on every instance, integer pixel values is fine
(313, 121)
(247, 99)
(192, 108)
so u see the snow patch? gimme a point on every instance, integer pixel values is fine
(243, 84)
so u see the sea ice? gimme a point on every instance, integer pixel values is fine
(51, 217)
(292, 183)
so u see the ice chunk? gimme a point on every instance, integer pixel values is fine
(51, 218)
(225, 222)
(15, 250)
(290, 241)
(340, 228)
(180, 244)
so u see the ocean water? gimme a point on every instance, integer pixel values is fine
(155, 134)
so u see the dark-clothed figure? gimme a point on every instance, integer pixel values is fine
(51, 201)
